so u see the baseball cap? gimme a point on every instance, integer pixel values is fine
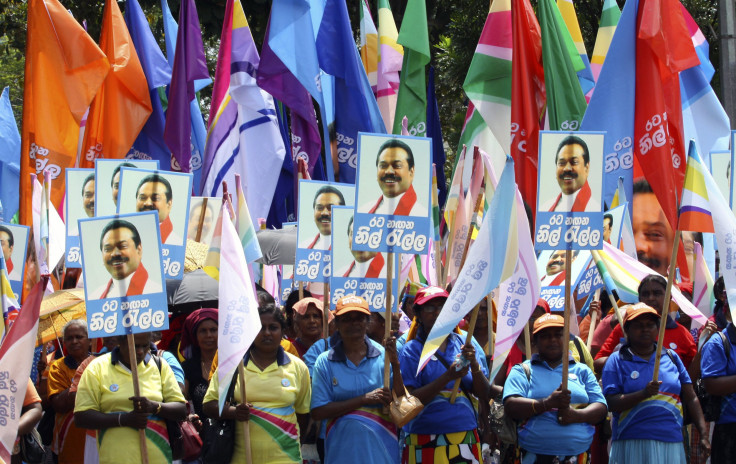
(548, 320)
(637, 310)
(351, 303)
(429, 293)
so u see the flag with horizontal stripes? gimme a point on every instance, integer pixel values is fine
(606, 28)
(246, 230)
(585, 75)
(368, 44)
(695, 213)
(390, 59)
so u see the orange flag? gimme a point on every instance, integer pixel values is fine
(64, 69)
(122, 106)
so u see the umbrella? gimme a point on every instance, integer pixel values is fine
(195, 290)
(56, 310)
(277, 245)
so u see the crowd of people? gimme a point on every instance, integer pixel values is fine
(313, 399)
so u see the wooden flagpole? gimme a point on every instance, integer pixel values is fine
(566, 330)
(436, 244)
(528, 340)
(246, 428)
(591, 330)
(202, 213)
(468, 339)
(137, 392)
(387, 317)
(666, 304)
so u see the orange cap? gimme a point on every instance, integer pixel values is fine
(639, 309)
(351, 303)
(548, 320)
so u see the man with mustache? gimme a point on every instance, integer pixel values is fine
(327, 197)
(88, 195)
(115, 181)
(121, 248)
(395, 175)
(572, 163)
(365, 264)
(652, 232)
(555, 271)
(154, 194)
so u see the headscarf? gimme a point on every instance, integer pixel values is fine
(189, 332)
(302, 305)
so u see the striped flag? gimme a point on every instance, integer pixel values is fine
(368, 44)
(390, 59)
(695, 212)
(585, 75)
(491, 260)
(16, 358)
(606, 29)
(246, 231)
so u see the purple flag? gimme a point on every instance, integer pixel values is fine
(275, 78)
(189, 65)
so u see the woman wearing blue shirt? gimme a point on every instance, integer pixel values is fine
(556, 424)
(647, 415)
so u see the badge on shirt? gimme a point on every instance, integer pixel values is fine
(285, 382)
(572, 376)
(334, 381)
(114, 387)
(635, 375)
(673, 346)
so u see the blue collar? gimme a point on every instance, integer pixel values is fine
(627, 355)
(337, 352)
(115, 356)
(281, 357)
(536, 359)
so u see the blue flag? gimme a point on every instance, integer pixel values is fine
(9, 158)
(614, 95)
(356, 109)
(434, 131)
(150, 142)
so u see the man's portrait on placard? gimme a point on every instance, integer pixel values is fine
(202, 218)
(80, 197)
(316, 200)
(107, 173)
(349, 262)
(13, 241)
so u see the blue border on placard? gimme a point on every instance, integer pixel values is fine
(17, 285)
(72, 254)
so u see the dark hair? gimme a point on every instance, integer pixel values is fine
(90, 177)
(396, 143)
(627, 324)
(121, 224)
(350, 224)
(271, 309)
(718, 287)
(156, 178)
(117, 170)
(574, 140)
(333, 131)
(291, 300)
(328, 189)
(652, 278)
(608, 216)
(263, 297)
(11, 240)
(642, 186)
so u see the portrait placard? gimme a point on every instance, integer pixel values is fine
(108, 187)
(552, 269)
(14, 243)
(209, 206)
(79, 204)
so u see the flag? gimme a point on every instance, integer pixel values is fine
(606, 29)
(16, 358)
(412, 99)
(189, 65)
(356, 109)
(703, 116)
(48, 228)
(368, 44)
(244, 136)
(9, 303)
(64, 69)
(491, 260)
(488, 82)
(434, 131)
(239, 320)
(390, 59)
(585, 75)
(695, 207)
(246, 231)
(703, 296)
(623, 273)
(614, 94)
(123, 104)
(565, 99)
(9, 157)
(528, 97)
(150, 142)
(455, 206)
(663, 49)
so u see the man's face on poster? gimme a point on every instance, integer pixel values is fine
(572, 171)
(119, 253)
(652, 233)
(194, 216)
(394, 174)
(115, 187)
(5, 243)
(557, 261)
(360, 256)
(607, 229)
(88, 198)
(152, 196)
(323, 211)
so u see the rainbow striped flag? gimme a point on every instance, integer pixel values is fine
(491, 260)
(368, 44)
(607, 27)
(390, 60)
(695, 207)
(246, 231)
(585, 75)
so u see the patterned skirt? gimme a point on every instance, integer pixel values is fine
(447, 448)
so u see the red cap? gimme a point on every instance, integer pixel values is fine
(429, 293)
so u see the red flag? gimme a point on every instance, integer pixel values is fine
(663, 49)
(528, 97)
(123, 104)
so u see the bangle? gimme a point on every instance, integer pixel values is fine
(158, 409)
(119, 416)
(534, 409)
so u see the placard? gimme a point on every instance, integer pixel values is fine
(79, 204)
(107, 189)
(14, 244)
(197, 206)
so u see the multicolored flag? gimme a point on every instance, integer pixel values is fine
(565, 100)
(528, 98)
(491, 260)
(488, 83)
(246, 231)
(369, 44)
(695, 209)
(703, 296)
(390, 59)
(123, 104)
(606, 29)
(16, 358)
(412, 99)
(585, 75)
(9, 157)
(244, 136)
(64, 69)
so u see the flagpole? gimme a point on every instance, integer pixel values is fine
(611, 299)
(325, 312)
(202, 212)
(246, 428)
(387, 317)
(666, 304)
(491, 341)
(473, 225)
(591, 330)
(137, 392)
(566, 330)
(436, 245)
(527, 341)
(468, 340)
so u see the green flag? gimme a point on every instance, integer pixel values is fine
(565, 100)
(412, 99)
